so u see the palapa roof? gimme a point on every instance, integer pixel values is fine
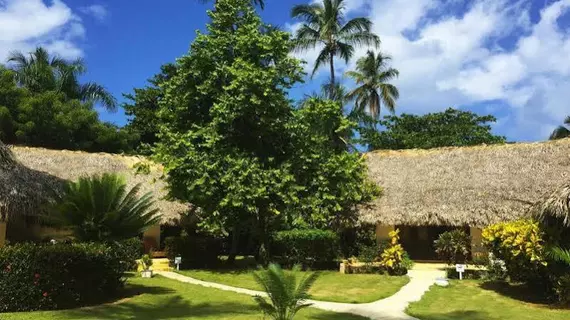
(45, 171)
(460, 186)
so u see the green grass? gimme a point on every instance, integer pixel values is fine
(330, 286)
(473, 300)
(161, 298)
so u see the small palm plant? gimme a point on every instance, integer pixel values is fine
(561, 255)
(287, 293)
(100, 208)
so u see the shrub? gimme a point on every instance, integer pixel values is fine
(520, 245)
(453, 246)
(100, 208)
(130, 250)
(42, 277)
(197, 251)
(307, 247)
(392, 258)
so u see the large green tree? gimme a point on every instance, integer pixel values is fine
(223, 136)
(441, 129)
(325, 25)
(142, 109)
(40, 72)
(562, 131)
(372, 76)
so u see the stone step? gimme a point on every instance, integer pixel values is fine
(161, 264)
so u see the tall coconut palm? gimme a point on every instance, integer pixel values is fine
(324, 24)
(40, 72)
(372, 75)
(561, 132)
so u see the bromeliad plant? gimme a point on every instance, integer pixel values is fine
(100, 209)
(287, 293)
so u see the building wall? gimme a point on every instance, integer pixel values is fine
(382, 232)
(477, 248)
(151, 238)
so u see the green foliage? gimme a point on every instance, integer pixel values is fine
(100, 208)
(50, 119)
(146, 262)
(307, 247)
(42, 277)
(393, 257)
(287, 292)
(197, 251)
(562, 131)
(334, 181)
(453, 246)
(442, 129)
(39, 73)
(372, 75)
(324, 25)
(131, 249)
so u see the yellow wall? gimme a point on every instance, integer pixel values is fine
(383, 231)
(477, 248)
(2, 233)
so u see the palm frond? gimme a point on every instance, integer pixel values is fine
(361, 39)
(97, 93)
(322, 59)
(561, 255)
(560, 133)
(356, 25)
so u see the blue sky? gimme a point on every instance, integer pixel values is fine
(510, 58)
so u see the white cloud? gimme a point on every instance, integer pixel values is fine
(98, 11)
(487, 52)
(25, 24)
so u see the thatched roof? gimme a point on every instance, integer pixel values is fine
(473, 186)
(554, 205)
(70, 165)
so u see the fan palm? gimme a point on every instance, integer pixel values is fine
(372, 76)
(324, 24)
(561, 132)
(561, 255)
(100, 208)
(39, 73)
(287, 293)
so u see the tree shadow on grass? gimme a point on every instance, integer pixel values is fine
(171, 308)
(519, 292)
(457, 315)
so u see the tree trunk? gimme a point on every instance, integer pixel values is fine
(332, 75)
(234, 247)
(262, 255)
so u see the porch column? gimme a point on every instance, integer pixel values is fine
(3, 225)
(153, 234)
(477, 248)
(382, 232)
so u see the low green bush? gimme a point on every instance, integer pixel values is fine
(130, 250)
(197, 251)
(46, 276)
(454, 247)
(313, 248)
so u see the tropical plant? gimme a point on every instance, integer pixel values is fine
(260, 3)
(453, 246)
(562, 131)
(39, 72)
(559, 254)
(146, 262)
(392, 258)
(324, 24)
(99, 208)
(287, 293)
(372, 75)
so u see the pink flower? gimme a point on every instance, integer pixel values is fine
(45, 294)
(37, 275)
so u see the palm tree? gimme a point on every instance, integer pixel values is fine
(561, 132)
(324, 24)
(39, 72)
(286, 293)
(372, 76)
(99, 208)
(560, 255)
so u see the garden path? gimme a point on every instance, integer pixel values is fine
(391, 308)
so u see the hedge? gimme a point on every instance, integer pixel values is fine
(46, 276)
(307, 247)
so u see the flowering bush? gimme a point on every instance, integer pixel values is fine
(393, 258)
(42, 277)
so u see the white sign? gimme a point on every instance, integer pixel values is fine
(460, 268)
(177, 261)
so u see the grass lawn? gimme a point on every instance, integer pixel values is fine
(330, 286)
(472, 300)
(161, 298)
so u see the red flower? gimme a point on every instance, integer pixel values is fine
(8, 268)
(37, 275)
(45, 294)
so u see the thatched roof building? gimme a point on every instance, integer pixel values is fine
(40, 172)
(473, 186)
